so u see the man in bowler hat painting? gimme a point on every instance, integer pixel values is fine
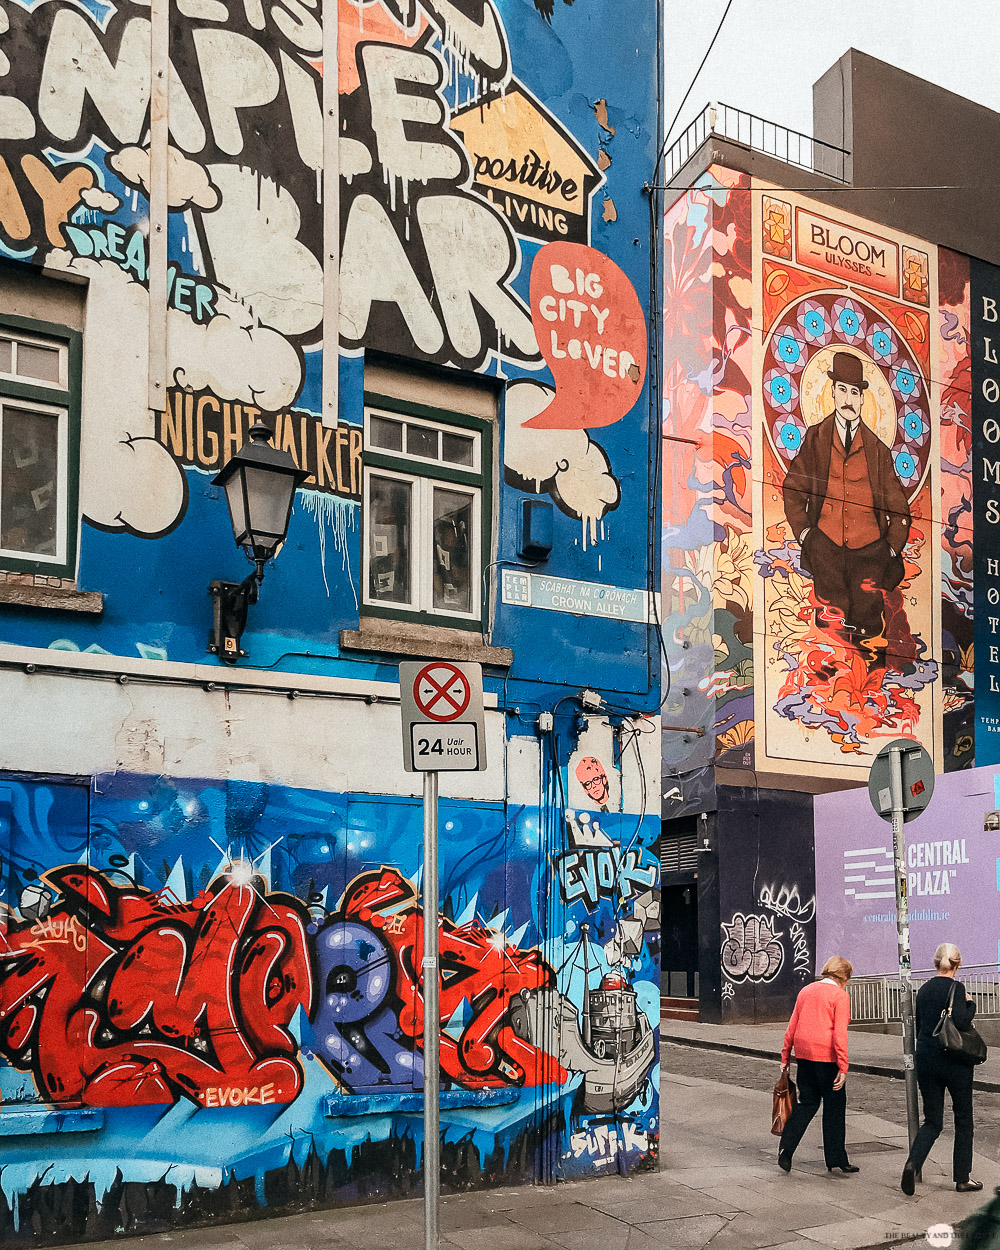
(848, 510)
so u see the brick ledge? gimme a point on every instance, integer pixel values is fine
(53, 598)
(432, 642)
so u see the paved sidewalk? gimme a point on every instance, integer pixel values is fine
(878, 1053)
(718, 1185)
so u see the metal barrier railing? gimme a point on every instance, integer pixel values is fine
(790, 146)
(876, 1000)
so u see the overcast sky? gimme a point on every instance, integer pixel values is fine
(770, 52)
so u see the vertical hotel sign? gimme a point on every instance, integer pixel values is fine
(985, 331)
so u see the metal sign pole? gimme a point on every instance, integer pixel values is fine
(903, 939)
(431, 983)
(444, 730)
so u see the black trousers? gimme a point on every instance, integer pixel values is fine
(935, 1074)
(815, 1082)
(850, 580)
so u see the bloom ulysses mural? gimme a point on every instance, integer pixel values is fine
(846, 541)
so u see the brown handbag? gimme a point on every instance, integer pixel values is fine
(783, 1103)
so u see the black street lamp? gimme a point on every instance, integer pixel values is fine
(260, 484)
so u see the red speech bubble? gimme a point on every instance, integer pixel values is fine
(592, 332)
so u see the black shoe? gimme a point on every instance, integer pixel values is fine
(908, 1183)
(844, 1167)
(969, 1187)
(784, 1161)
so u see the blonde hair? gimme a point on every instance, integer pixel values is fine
(839, 968)
(947, 957)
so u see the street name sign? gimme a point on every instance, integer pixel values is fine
(444, 729)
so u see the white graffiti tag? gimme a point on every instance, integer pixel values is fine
(800, 950)
(787, 901)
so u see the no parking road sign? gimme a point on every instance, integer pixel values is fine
(441, 691)
(443, 724)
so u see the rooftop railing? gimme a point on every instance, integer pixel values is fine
(788, 146)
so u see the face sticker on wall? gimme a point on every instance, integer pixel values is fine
(594, 784)
(592, 332)
(591, 775)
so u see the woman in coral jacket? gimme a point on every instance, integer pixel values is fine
(817, 1034)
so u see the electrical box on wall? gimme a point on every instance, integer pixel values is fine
(536, 529)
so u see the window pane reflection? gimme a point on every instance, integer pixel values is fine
(38, 362)
(452, 536)
(386, 434)
(389, 544)
(457, 448)
(29, 464)
(422, 442)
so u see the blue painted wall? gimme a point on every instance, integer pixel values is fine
(277, 1063)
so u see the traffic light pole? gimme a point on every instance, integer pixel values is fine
(903, 940)
(431, 983)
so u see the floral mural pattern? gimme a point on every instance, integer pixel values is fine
(707, 554)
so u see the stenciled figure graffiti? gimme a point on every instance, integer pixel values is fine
(848, 510)
(591, 775)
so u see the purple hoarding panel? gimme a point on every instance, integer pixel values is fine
(953, 871)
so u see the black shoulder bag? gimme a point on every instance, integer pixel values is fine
(965, 1045)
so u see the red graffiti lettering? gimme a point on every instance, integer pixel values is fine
(119, 998)
(477, 965)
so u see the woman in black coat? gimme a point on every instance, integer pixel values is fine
(938, 1071)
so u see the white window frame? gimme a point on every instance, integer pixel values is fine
(62, 476)
(442, 427)
(32, 340)
(422, 540)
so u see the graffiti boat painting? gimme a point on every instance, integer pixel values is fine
(610, 1040)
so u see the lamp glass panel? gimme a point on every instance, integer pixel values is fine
(237, 507)
(269, 501)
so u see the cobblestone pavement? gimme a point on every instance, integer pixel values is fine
(878, 1095)
(718, 1187)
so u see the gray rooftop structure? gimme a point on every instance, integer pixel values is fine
(886, 145)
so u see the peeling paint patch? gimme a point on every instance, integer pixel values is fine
(610, 212)
(601, 113)
(634, 372)
(603, 160)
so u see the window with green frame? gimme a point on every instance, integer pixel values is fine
(428, 507)
(39, 446)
